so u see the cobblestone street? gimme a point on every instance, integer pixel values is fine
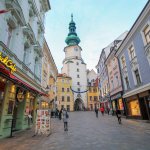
(85, 132)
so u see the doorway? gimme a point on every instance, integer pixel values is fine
(78, 105)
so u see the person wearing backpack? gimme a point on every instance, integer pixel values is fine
(65, 119)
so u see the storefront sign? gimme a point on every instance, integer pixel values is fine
(8, 62)
(116, 96)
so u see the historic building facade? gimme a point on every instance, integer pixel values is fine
(21, 40)
(103, 80)
(93, 91)
(115, 83)
(103, 76)
(49, 75)
(75, 67)
(134, 59)
(65, 98)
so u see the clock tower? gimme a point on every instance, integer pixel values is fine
(75, 67)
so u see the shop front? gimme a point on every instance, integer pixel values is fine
(138, 106)
(18, 101)
(117, 103)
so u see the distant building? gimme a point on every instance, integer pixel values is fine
(115, 83)
(65, 98)
(134, 59)
(93, 91)
(75, 67)
(49, 75)
(102, 72)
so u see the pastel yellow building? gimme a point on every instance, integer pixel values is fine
(64, 93)
(93, 97)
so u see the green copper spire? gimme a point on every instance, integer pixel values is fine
(72, 38)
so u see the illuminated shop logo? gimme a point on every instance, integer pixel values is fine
(8, 62)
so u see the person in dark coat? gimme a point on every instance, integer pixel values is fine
(118, 114)
(96, 111)
(60, 114)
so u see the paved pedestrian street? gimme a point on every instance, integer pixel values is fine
(85, 132)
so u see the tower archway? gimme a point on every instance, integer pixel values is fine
(78, 104)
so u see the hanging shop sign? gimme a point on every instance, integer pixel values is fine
(8, 62)
(43, 125)
(20, 96)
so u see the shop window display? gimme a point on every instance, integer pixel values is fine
(134, 109)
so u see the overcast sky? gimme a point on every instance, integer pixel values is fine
(98, 23)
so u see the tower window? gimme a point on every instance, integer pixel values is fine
(63, 89)
(77, 70)
(78, 83)
(78, 89)
(78, 76)
(77, 63)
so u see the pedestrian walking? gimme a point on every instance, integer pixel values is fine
(65, 119)
(102, 110)
(96, 111)
(60, 114)
(118, 114)
(108, 109)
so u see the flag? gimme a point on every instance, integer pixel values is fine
(4, 11)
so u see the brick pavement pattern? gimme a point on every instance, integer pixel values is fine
(86, 132)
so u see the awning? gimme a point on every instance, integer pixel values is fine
(19, 81)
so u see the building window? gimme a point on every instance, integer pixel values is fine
(68, 98)
(77, 63)
(131, 52)
(90, 98)
(68, 107)
(78, 89)
(9, 36)
(77, 70)
(98, 70)
(63, 89)
(78, 76)
(146, 32)
(112, 83)
(95, 98)
(127, 83)
(78, 83)
(117, 80)
(123, 62)
(137, 76)
(63, 98)
(62, 106)
(68, 89)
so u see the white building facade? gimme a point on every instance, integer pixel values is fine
(75, 67)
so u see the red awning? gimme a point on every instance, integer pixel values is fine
(7, 72)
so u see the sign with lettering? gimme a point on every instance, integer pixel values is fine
(8, 62)
(43, 125)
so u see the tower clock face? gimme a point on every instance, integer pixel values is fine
(76, 49)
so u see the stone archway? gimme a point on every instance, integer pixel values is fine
(78, 105)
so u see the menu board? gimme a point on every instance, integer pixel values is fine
(43, 125)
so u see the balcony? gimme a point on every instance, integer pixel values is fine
(19, 64)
